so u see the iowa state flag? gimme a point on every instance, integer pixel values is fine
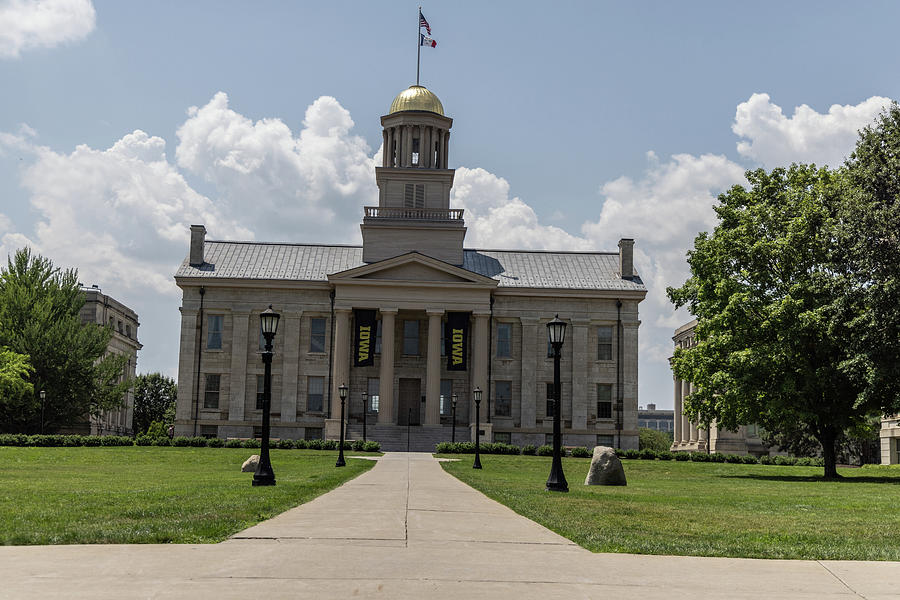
(424, 40)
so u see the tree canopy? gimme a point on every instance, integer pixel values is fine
(154, 399)
(39, 318)
(771, 289)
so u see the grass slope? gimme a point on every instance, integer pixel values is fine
(151, 494)
(705, 509)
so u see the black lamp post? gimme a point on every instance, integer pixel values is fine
(342, 392)
(453, 400)
(556, 332)
(43, 397)
(477, 394)
(365, 413)
(268, 322)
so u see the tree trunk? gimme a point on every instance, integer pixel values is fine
(827, 439)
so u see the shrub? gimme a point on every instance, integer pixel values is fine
(71, 441)
(581, 452)
(620, 453)
(233, 443)
(371, 446)
(650, 439)
(749, 459)
(510, 449)
(286, 444)
(545, 450)
(157, 429)
(766, 460)
(13, 439)
(717, 457)
(357, 445)
(734, 458)
(181, 441)
(682, 456)
(665, 455)
(632, 454)
(647, 454)
(143, 440)
(804, 462)
(163, 441)
(330, 445)
(818, 462)
(700, 457)
(529, 449)
(301, 444)
(198, 441)
(316, 444)
(785, 461)
(442, 448)
(91, 440)
(215, 442)
(251, 443)
(44, 440)
(117, 440)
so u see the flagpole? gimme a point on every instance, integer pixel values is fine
(418, 43)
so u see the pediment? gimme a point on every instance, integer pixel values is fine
(412, 267)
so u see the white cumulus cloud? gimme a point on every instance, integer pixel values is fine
(773, 139)
(26, 24)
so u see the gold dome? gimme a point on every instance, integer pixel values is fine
(417, 97)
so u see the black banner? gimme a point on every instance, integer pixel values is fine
(364, 338)
(456, 339)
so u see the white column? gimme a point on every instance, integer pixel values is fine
(407, 149)
(240, 322)
(290, 364)
(479, 364)
(685, 424)
(341, 370)
(446, 149)
(433, 367)
(529, 397)
(693, 424)
(386, 372)
(580, 393)
(187, 371)
(384, 153)
(677, 420)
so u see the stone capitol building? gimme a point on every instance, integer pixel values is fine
(408, 321)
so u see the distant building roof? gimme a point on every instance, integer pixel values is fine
(311, 262)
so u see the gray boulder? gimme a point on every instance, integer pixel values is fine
(250, 464)
(606, 468)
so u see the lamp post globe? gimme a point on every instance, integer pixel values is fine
(268, 324)
(365, 397)
(342, 392)
(477, 395)
(556, 335)
(453, 400)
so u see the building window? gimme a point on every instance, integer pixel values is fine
(414, 196)
(446, 396)
(214, 332)
(260, 387)
(208, 431)
(605, 440)
(415, 151)
(550, 401)
(312, 433)
(604, 401)
(502, 437)
(411, 338)
(211, 392)
(315, 393)
(257, 432)
(120, 326)
(604, 342)
(373, 387)
(262, 338)
(504, 340)
(548, 439)
(317, 335)
(127, 330)
(503, 398)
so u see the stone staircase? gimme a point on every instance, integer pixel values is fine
(393, 438)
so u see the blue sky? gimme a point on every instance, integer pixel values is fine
(575, 123)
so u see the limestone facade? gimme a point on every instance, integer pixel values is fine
(692, 437)
(413, 271)
(890, 440)
(102, 309)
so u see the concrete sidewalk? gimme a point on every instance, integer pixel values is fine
(406, 529)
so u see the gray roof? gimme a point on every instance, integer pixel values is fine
(510, 268)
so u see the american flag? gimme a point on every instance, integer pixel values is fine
(424, 23)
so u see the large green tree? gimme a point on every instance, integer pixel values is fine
(39, 318)
(770, 290)
(16, 393)
(154, 399)
(870, 241)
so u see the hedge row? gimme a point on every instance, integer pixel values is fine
(18, 439)
(583, 452)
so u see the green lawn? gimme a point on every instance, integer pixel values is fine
(147, 494)
(705, 509)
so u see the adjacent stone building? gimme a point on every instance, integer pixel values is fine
(657, 419)
(104, 310)
(408, 320)
(689, 436)
(890, 440)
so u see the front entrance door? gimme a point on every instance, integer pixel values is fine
(410, 399)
